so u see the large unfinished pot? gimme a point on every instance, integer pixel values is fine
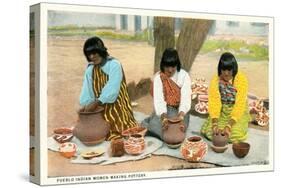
(91, 127)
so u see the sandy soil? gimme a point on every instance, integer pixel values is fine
(66, 65)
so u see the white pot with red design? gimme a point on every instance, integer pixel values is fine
(68, 149)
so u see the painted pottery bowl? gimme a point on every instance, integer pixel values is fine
(63, 134)
(68, 149)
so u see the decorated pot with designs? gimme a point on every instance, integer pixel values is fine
(67, 149)
(135, 144)
(193, 149)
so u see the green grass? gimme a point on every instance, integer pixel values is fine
(73, 30)
(241, 49)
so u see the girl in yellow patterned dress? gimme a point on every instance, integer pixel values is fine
(228, 107)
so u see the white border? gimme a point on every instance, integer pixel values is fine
(44, 7)
(37, 138)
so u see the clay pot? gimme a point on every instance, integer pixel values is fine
(193, 149)
(135, 144)
(117, 148)
(91, 127)
(241, 149)
(220, 139)
(174, 133)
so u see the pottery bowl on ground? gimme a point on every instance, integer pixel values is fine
(240, 149)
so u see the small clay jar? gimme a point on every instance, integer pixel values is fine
(174, 133)
(117, 148)
(220, 139)
(91, 127)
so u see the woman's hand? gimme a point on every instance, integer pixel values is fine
(181, 116)
(227, 130)
(164, 120)
(92, 107)
(82, 109)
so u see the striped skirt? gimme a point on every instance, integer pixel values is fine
(239, 131)
(118, 114)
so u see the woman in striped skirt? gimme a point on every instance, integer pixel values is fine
(105, 84)
(228, 107)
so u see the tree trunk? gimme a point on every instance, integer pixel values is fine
(164, 37)
(191, 38)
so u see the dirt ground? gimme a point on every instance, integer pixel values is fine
(66, 65)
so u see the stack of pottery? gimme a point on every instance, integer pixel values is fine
(134, 144)
(220, 140)
(202, 106)
(194, 148)
(174, 133)
(91, 127)
(259, 112)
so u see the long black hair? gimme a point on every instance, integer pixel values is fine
(95, 45)
(228, 62)
(170, 58)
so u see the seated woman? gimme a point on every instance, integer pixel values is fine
(104, 84)
(171, 94)
(228, 107)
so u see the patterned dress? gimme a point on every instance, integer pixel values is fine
(172, 96)
(228, 101)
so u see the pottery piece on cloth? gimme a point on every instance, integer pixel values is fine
(262, 118)
(63, 134)
(117, 148)
(201, 107)
(92, 153)
(219, 149)
(241, 149)
(174, 133)
(91, 127)
(193, 149)
(220, 139)
(135, 144)
(68, 149)
(203, 98)
(134, 130)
